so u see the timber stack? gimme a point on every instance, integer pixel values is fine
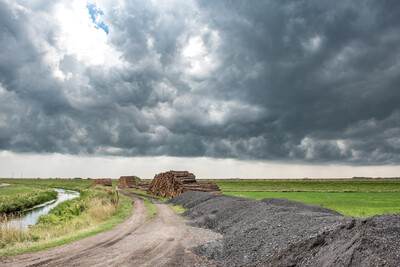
(142, 186)
(102, 181)
(127, 182)
(132, 182)
(172, 183)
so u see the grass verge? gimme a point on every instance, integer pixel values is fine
(359, 205)
(177, 208)
(144, 193)
(95, 211)
(152, 210)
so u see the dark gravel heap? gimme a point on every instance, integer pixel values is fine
(257, 233)
(299, 206)
(374, 241)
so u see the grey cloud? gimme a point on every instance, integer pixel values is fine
(311, 81)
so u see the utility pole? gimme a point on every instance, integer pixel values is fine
(12, 175)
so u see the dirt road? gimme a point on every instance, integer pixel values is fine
(162, 241)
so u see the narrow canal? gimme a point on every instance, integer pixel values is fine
(31, 216)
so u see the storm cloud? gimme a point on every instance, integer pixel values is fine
(297, 81)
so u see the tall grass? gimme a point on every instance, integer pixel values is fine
(15, 201)
(95, 208)
(11, 234)
(97, 211)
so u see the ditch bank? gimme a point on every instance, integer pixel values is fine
(31, 216)
(280, 232)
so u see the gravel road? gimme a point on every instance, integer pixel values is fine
(163, 241)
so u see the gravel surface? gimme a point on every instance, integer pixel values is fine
(255, 232)
(374, 241)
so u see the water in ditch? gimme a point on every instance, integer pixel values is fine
(31, 216)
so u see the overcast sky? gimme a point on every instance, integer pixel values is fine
(221, 88)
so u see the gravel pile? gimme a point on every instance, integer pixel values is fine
(374, 241)
(298, 206)
(255, 232)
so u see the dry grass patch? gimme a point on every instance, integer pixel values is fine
(11, 234)
(99, 211)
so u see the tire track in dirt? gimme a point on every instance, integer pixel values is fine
(162, 241)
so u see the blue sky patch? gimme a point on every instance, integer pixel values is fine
(95, 14)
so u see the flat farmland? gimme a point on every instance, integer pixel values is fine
(357, 198)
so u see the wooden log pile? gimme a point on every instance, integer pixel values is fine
(132, 182)
(102, 181)
(142, 186)
(172, 183)
(127, 182)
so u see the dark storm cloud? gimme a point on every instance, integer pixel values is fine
(312, 81)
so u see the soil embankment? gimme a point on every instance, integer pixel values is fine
(280, 232)
(163, 241)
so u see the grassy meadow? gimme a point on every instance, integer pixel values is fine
(51, 183)
(357, 198)
(15, 198)
(96, 210)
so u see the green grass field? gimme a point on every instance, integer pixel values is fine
(360, 205)
(13, 190)
(358, 198)
(52, 183)
(381, 185)
(18, 197)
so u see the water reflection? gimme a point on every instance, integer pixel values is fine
(32, 215)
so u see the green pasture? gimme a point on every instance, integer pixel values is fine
(308, 185)
(357, 198)
(360, 205)
(71, 184)
(16, 198)
(13, 190)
